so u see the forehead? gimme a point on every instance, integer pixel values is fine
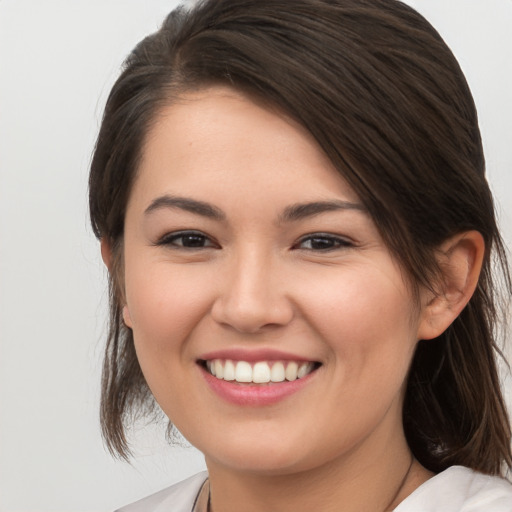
(219, 136)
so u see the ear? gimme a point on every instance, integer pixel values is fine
(460, 259)
(106, 253)
(127, 319)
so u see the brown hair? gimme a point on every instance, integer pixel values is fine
(386, 100)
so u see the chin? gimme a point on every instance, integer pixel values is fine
(263, 464)
(262, 456)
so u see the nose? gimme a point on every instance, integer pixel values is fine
(253, 295)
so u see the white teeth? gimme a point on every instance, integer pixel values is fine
(291, 371)
(277, 372)
(243, 372)
(260, 373)
(303, 370)
(229, 370)
(219, 369)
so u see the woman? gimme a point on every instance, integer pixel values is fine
(291, 202)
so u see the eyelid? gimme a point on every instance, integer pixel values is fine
(168, 238)
(340, 242)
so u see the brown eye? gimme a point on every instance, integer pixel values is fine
(322, 242)
(187, 240)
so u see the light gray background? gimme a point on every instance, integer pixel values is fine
(58, 60)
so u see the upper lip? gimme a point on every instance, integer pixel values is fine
(253, 355)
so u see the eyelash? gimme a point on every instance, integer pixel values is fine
(170, 239)
(324, 242)
(333, 242)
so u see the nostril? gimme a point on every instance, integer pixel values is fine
(252, 314)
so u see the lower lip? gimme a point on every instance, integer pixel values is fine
(255, 394)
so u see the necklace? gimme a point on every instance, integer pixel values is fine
(400, 487)
(202, 503)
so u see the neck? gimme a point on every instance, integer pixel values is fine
(365, 480)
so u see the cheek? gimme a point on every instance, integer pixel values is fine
(164, 305)
(367, 319)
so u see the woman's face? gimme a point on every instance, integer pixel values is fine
(246, 252)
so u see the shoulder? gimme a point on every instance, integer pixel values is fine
(460, 489)
(179, 497)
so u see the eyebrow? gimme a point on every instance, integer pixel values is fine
(187, 204)
(300, 211)
(292, 213)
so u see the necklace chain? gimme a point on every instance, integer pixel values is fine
(203, 502)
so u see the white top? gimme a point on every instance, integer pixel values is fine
(457, 489)
(179, 497)
(460, 489)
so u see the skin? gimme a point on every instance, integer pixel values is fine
(257, 281)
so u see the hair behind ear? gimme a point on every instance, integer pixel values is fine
(454, 411)
(124, 392)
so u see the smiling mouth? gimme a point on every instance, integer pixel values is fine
(261, 372)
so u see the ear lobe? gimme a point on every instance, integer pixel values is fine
(106, 253)
(127, 319)
(114, 270)
(460, 259)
